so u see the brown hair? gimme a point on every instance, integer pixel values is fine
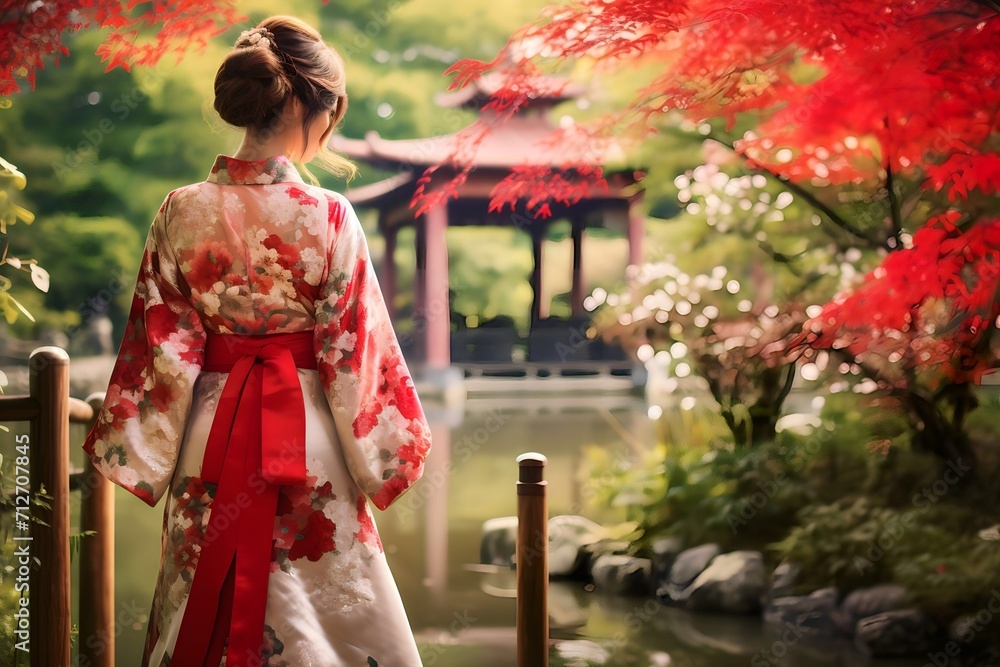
(255, 81)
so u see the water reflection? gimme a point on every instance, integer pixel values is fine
(463, 613)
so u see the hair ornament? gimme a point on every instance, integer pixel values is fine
(255, 38)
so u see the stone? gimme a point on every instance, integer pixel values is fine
(498, 544)
(782, 581)
(895, 633)
(574, 543)
(991, 534)
(665, 551)
(815, 614)
(591, 552)
(870, 601)
(685, 569)
(568, 535)
(733, 582)
(623, 575)
(581, 653)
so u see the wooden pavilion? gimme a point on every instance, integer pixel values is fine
(553, 346)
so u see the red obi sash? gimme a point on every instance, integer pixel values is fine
(256, 444)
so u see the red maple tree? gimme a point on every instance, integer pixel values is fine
(924, 326)
(139, 33)
(893, 101)
(845, 90)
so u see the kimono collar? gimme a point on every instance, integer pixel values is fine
(232, 171)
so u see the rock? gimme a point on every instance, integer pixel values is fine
(574, 543)
(991, 534)
(591, 552)
(659, 659)
(895, 633)
(733, 582)
(581, 653)
(665, 552)
(814, 614)
(782, 581)
(866, 602)
(685, 569)
(568, 535)
(623, 575)
(499, 541)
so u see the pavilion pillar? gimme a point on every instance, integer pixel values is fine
(576, 295)
(538, 309)
(389, 272)
(636, 232)
(419, 289)
(437, 301)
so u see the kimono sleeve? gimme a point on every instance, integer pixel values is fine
(136, 439)
(380, 422)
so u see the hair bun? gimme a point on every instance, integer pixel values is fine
(251, 85)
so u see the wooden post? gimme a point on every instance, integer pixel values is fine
(97, 562)
(49, 582)
(532, 563)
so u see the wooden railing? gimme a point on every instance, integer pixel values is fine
(50, 410)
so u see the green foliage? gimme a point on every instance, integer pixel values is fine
(11, 180)
(101, 150)
(743, 498)
(849, 502)
(490, 284)
(93, 265)
(696, 486)
(932, 550)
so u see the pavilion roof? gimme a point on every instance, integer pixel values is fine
(525, 139)
(395, 188)
(520, 141)
(480, 89)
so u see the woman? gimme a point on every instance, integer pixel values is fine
(260, 382)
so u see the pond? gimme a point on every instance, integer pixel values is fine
(463, 615)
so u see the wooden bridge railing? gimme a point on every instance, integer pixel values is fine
(50, 409)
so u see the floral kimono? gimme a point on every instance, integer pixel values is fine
(252, 256)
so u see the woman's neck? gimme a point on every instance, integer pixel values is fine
(256, 147)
